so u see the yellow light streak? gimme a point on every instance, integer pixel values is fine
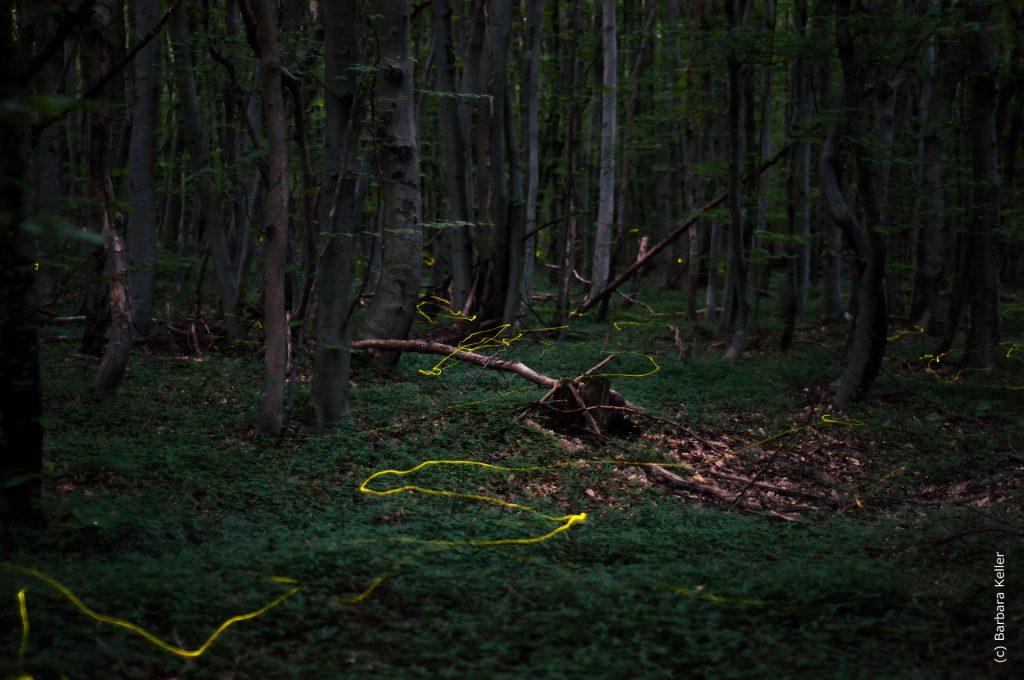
(134, 627)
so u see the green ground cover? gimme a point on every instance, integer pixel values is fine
(165, 511)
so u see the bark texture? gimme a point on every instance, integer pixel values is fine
(97, 61)
(391, 311)
(142, 171)
(263, 36)
(340, 212)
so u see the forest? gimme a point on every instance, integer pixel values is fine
(511, 338)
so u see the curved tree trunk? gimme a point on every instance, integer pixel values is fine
(867, 339)
(391, 311)
(97, 62)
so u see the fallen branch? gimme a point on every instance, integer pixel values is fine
(673, 235)
(425, 347)
(719, 494)
(585, 391)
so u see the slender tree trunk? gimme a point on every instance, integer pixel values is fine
(340, 210)
(832, 304)
(606, 180)
(263, 37)
(535, 10)
(567, 239)
(142, 171)
(667, 270)
(867, 341)
(798, 248)
(97, 61)
(453, 144)
(391, 311)
(932, 242)
(983, 316)
(199, 166)
(491, 161)
(737, 263)
(516, 227)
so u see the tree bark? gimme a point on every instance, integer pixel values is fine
(199, 166)
(535, 10)
(867, 339)
(263, 37)
(391, 311)
(798, 247)
(98, 61)
(667, 270)
(340, 211)
(142, 171)
(737, 262)
(932, 242)
(983, 316)
(606, 178)
(453, 145)
(491, 161)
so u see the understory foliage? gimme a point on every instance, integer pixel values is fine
(168, 511)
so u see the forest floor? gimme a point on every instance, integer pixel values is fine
(777, 539)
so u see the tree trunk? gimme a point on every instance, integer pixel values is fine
(606, 179)
(340, 211)
(199, 166)
(867, 340)
(263, 36)
(142, 171)
(391, 311)
(737, 263)
(516, 228)
(492, 188)
(666, 268)
(98, 61)
(932, 242)
(798, 247)
(535, 10)
(453, 145)
(983, 315)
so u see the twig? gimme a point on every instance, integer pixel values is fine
(633, 300)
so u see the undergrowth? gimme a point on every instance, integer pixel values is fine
(164, 510)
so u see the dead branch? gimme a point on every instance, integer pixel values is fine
(676, 233)
(425, 347)
(715, 492)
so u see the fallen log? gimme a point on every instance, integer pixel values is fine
(425, 347)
